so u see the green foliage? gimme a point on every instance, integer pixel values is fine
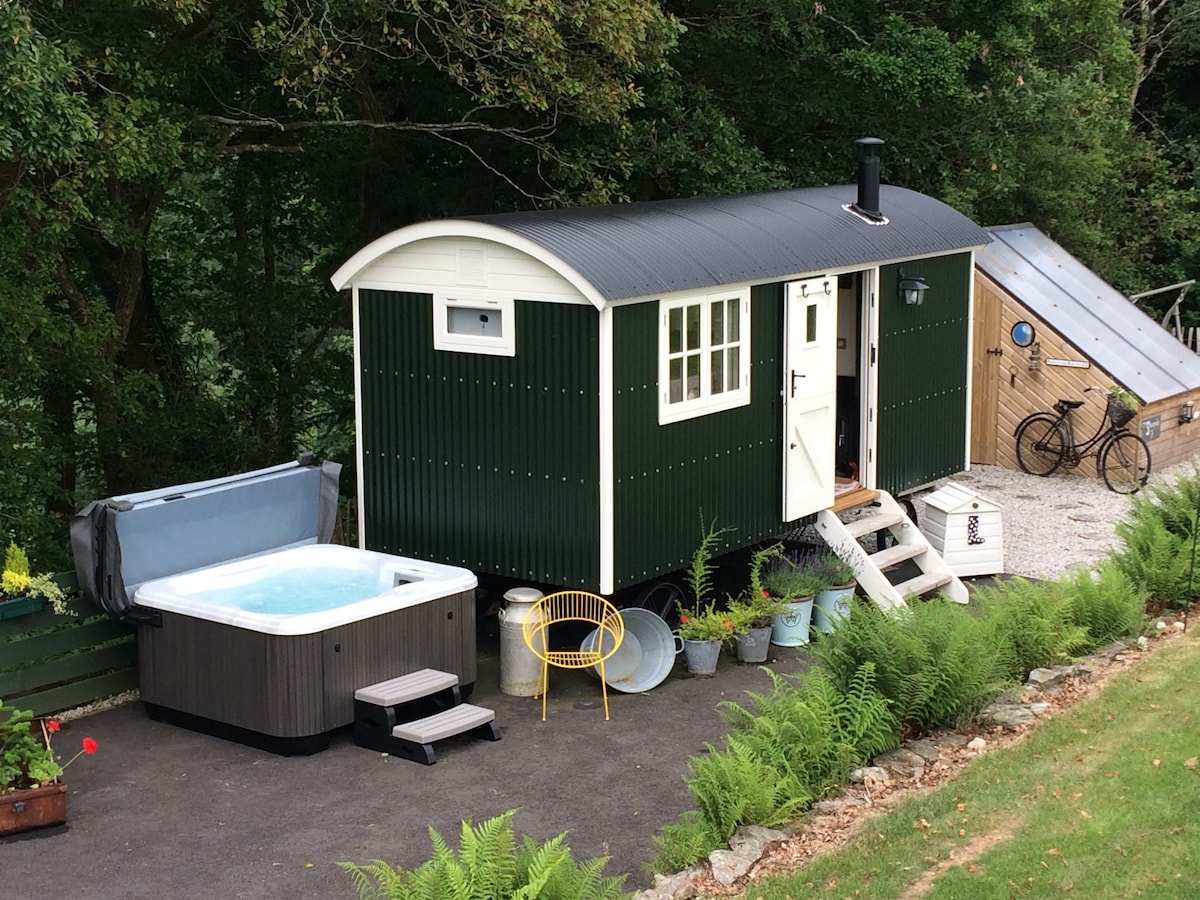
(701, 568)
(709, 624)
(936, 662)
(1107, 603)
(680, 843)
(489, 864)
(738, 786)
(1032, 622)
(758, 560)
(26, 758)
(793, 745)
(797, 574)
(1157, 535)
(811, 731)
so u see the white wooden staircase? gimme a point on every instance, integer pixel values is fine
(859, 513)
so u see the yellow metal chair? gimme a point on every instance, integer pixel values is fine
(578, 607)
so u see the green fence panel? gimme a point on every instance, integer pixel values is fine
(50, 662)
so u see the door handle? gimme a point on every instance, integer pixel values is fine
(795, 375)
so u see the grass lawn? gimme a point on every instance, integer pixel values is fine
(1101, 801)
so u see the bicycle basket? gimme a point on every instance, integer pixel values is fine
(1119, 412)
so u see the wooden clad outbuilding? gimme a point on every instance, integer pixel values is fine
(1045, 328)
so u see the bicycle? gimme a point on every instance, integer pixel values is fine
(1046, 441)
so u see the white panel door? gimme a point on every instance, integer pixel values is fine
(809, 396)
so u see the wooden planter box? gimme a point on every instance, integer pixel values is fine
(20, 606)
(33, 808)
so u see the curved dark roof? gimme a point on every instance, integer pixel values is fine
(642, 249)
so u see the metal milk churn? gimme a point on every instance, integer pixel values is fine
(519, 668)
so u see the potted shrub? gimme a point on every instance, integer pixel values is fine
(793, 581)
(32, 794)
(22, 592)
(832, 602)
(753, 612)
(702, 628)
(703, 633)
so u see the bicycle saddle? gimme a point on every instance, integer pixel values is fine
(1070, 404)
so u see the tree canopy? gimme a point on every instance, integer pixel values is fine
(178, 178)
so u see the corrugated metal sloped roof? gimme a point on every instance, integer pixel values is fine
(645, 249)
(1090, 313)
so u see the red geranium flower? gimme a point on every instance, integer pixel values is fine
(88, 746)
(52, 725)
(684, 619)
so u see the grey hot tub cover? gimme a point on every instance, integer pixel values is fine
(121, 542)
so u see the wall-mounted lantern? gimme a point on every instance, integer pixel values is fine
(912, 290)
(1187, 412)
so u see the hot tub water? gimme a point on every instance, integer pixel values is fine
(296, 591)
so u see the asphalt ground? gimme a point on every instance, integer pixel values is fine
(163, 812)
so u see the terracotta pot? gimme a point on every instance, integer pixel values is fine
(33, 808)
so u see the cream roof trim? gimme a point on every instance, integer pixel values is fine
(352, 269)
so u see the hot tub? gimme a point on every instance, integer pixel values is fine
(208, 574)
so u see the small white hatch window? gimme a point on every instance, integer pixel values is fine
(703, 355)
(475, 325)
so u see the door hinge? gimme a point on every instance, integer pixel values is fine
(872, 360)
(995, 351)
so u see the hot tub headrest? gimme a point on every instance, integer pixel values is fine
(120, 542)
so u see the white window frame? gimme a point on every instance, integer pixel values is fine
(706, 402)
(502, 344)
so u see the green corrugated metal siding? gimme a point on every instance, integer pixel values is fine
(923, 374)
(487, 462)
(671, 480)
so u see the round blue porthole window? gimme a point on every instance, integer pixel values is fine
(1023, 334)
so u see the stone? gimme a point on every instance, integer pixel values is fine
(1049, 676)
(745, 849)
(670, 887)
(729, 865)
(927, 750)
(1011, 715)
(977, 744)
(754, 838)
(951, 739)
(871, 776)
(902, 762)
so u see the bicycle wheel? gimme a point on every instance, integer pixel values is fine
(1040, 445)
(1125, 463)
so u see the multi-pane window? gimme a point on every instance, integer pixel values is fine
(704, 355)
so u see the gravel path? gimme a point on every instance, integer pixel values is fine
(1050, 524)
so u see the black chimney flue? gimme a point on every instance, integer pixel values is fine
(868, 177)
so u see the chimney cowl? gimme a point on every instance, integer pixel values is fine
(867, 203)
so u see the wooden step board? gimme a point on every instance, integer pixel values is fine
(415, 740)
(407, 688)
(843, 528)
(404, 716)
